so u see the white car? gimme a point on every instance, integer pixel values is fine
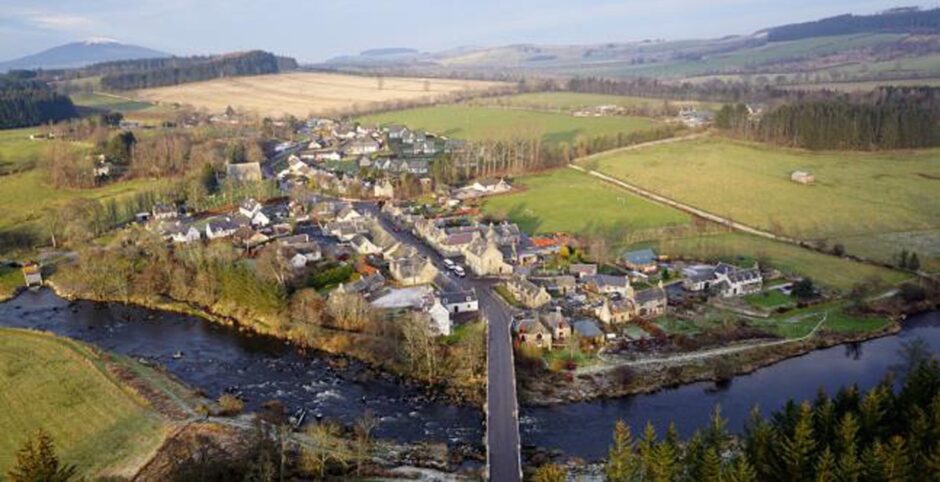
(459, 271)
(449, 263)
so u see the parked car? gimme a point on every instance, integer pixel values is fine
(459, 271)
(449, 263)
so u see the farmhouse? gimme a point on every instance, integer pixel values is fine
(608, 284)
(733, 281)
(181, 233)
(164, 211)
(221, 227)
(802, 177)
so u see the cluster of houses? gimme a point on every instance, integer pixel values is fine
(394, 278)
(338, 154)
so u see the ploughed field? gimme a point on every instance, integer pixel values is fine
(304, 93)
(473, 122)
(874, 203)
(67, 390)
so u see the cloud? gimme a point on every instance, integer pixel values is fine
(63, 22)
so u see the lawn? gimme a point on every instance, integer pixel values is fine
(768, 300)
(17, 151)
(570, 201)
(568, 101)
(830, 271)
(798, 323)
(855, 194)
(479, 123)
(64, 388)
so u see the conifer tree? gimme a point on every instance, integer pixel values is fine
(621, 460)
(796, 449)
(37, 461)
(826, 467)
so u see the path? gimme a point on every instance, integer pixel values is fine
(698, 355)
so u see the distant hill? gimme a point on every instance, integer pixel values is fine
(80, 54)
(897, 44)
(144, 73)
(903, 20)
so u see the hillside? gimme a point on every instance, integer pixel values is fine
(80, 54)
(895, 44)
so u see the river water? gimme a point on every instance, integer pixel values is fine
(217, 358)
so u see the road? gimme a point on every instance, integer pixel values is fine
(502, 410)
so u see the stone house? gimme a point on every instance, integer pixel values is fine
(531, 332)
(527, 293)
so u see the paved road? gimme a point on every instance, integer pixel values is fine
(502, 413)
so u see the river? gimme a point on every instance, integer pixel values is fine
(216, 358)
(585, 429)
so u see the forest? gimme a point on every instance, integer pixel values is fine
(140, 74)
(883, 434)
(889, 118)
(901, 20)
(26, 101)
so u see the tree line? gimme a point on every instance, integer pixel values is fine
(890, 118)
(903, 20)
(879, 435)
(26, 101)
(140, 74)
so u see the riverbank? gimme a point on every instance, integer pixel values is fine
(340, 347)
(616, 382)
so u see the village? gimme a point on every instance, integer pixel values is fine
(360, 211)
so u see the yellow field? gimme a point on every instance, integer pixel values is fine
(302, 94)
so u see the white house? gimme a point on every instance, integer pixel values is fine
(460, 301)
(440, 317)
(733, 281)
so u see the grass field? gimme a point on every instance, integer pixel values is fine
(301, 94)
(573, 100)
(26, 197)
(10, 279)
(64, 388)
(17, 151)
(570, 201)
(477, 123)
(856, 195)
(109, 102)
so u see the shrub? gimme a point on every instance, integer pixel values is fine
(230, 405)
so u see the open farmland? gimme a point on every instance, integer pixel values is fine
(560, 200)
(568, 101)
(17, 151)
(855, 195)
(479, 123)
(25, 198)
(301, 94)
(61, 386)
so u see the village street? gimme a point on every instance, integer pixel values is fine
(502, 408)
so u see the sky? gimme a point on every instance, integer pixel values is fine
(314, 30)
